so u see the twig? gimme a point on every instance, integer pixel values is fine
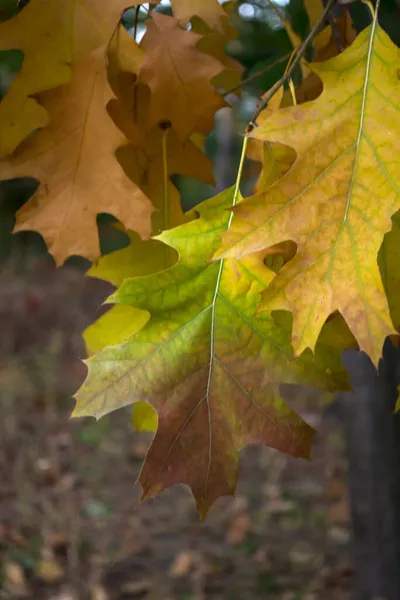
(264, 101)
(135, 27)
(336, 33)
(277, 12)
(258, 74)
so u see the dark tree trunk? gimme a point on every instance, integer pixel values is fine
(373, 441)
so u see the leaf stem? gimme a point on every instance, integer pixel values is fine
(239, 175)
(300, 53)
(135, 26)
(165, 174)
(292, 92)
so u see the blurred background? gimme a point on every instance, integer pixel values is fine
(71, 526)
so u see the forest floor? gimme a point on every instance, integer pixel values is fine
(71, 525)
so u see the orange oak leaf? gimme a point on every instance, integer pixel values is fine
(52, 34)
(179, 77)
(75, 163)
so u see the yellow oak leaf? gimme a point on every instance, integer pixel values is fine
(389, 266)
(314, 10)
(276, 159)
(114, 327)
(336, 201)
(52, 34)
(142, 257)
(179, 76)
(144, 417)
(124, 56)
(75, 163)
(326, 47)
(343, 36)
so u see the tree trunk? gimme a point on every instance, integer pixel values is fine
(373, 442)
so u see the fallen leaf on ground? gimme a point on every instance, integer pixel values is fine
(182, 564)
(49, 570)
(239, 529)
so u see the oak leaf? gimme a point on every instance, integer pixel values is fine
(389, 266)
(210, 369)
(337, 200)
(314, 10)
(214, 42)
(145, 257)
(52, 35)
(328, 44)
(137, 259)
(210, 11)
(179, 77)
(77, 168)
(276, 159)
(114, 327)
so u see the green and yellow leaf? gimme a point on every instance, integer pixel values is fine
(207, 365)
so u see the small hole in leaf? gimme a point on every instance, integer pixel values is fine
(165, 125)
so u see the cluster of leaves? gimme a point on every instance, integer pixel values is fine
(214, 309)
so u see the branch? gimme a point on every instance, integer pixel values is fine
(300, 53)
(258, 74)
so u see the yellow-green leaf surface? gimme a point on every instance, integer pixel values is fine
(52, 34)
(144, 417)
(208, 367)
(114, 327)
(137, 259)
(79, 174)
(144, 257)
(337, 199)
